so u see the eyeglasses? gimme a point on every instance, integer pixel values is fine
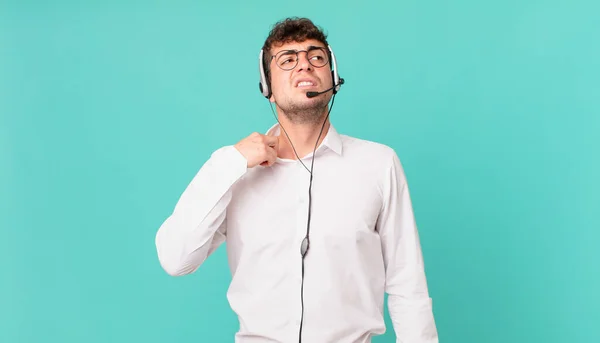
(288, 59)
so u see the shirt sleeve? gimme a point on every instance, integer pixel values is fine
(197, 225)
(409, 304)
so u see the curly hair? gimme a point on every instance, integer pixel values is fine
(289, 30)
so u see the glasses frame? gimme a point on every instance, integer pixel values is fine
(297, 52)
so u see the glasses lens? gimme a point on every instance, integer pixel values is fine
(287, 60)
(317, 57)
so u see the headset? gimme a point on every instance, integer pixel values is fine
(266, 92)
(264, 84)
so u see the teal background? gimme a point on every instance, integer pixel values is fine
(108, 109)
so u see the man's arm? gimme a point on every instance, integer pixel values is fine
(196, 227)
(409, 304)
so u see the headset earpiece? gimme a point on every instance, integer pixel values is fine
(334, 71)
(263, 85)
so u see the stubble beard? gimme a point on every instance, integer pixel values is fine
(311, 112)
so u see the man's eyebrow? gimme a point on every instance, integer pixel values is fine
(310, 47)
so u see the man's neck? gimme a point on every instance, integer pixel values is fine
(303, 136)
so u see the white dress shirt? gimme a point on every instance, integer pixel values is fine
(363, 242)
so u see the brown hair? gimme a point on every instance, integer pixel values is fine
(289, 30)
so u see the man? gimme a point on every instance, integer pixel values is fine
(318, 225)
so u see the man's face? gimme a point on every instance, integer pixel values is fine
(289, 87)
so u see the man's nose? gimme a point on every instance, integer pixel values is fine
(303, 63)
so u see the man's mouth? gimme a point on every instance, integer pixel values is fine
(302, 84)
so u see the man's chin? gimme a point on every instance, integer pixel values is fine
(310, 103)
(301, 103)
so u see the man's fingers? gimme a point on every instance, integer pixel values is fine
(272, 141)
(272, 156)
(264, 149)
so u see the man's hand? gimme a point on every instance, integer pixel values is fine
(259, 149)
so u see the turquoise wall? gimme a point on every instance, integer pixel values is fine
(108, 109)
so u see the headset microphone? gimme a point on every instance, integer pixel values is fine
(314, 94)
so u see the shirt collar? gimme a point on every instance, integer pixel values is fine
(332, 139)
